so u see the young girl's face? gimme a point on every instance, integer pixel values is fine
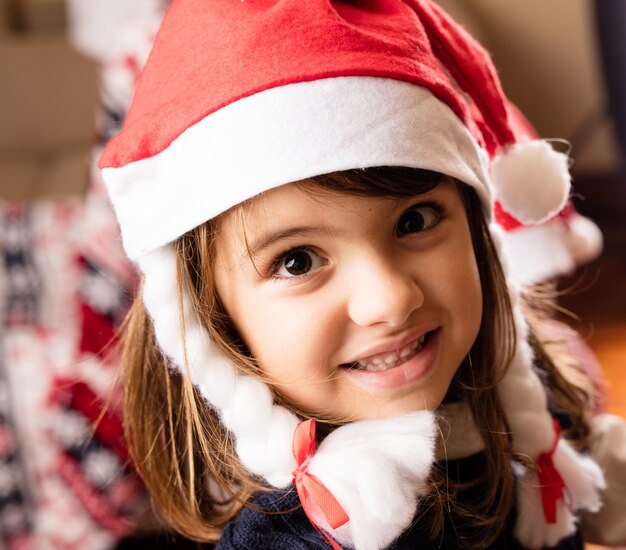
(354, 307)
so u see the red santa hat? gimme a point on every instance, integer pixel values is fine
(241, 97)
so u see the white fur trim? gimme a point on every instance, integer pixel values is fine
(539, 252)
(553, 248)
(260, 142)
(584, 239)
(582, 476)
(531, 528)
(583, 479)
(531, 180)
(263, 431)
(526, 408)
(376, 469)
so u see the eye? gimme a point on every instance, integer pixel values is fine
(297, 262)
(418, 218)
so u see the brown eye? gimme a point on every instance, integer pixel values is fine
(417, 219)
(298, 262)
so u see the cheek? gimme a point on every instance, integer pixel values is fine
(282, 333)
(466, 292)
(472, 300)
(453, 282)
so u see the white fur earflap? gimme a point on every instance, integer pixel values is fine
(531, 180)
(526, 408)
(377, 470)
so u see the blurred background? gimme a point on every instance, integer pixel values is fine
(66, 75)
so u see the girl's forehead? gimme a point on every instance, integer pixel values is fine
(300, 202)
(308, 196)
(294, 208)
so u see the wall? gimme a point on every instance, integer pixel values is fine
(547, 57)
(47, 105)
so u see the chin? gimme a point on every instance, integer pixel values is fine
(412, 403)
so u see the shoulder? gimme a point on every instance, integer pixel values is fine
(273, 520)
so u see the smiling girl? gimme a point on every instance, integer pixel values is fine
(327, 348)
(386, 290)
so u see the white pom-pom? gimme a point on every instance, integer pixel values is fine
(531, 180)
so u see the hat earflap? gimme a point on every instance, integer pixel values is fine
(376, 469)
(565, 481)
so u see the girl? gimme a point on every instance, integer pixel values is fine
(325, 320)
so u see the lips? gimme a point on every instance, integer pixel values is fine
(391, 359)
(399, 372)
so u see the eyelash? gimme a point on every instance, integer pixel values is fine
(437, 207)
(278, 261)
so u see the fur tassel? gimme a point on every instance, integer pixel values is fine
(582, 476)
(583, 479)
(532, 426)
(531, 180)
(377, 470)
(531, 528)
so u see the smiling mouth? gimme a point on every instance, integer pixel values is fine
(386, 361)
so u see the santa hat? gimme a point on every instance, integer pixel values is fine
(241, 97)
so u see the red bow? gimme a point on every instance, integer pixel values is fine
(314, 496)
(551, 482)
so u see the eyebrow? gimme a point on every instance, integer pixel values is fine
(267, 239)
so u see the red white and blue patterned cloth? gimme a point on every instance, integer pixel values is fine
(65, 286)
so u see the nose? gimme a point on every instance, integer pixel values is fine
(383, 292)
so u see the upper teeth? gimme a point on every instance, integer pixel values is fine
(391, 360)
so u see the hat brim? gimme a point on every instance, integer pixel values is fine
(287, 134)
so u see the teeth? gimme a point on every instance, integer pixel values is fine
(382, 363)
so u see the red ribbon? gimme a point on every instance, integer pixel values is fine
(551, 482)
(314, 496)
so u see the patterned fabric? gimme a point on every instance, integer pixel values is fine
(22, 280)
(64, 477)
(65, 287)
(16, 521)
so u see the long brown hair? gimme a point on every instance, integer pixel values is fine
(187, 458)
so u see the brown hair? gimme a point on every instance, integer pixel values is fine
(183, 453)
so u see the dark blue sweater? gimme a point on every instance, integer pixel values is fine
(276, 521)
